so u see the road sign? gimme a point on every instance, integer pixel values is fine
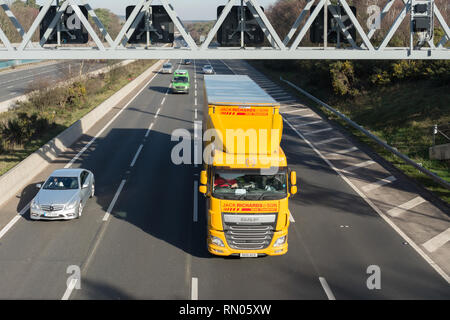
(157, 22)
(71, 29)
(229, 33)
(316, 32)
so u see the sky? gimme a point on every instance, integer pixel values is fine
(186, 9)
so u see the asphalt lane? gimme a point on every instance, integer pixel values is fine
(151, 247)
(145, 251)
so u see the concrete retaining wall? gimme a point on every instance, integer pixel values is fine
(22, 175)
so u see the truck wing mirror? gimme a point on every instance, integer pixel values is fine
(293, 178)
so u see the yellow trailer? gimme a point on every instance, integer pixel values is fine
(245, 180)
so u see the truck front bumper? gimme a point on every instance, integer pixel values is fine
(225, 250)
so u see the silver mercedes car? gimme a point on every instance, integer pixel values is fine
(167, 68)
(64, 195)
(208, 69)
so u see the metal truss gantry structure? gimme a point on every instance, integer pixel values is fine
(289, 48)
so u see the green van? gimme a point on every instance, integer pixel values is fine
(181, 81)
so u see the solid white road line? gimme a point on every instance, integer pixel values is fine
(397, 211)
(358, 165)
(136, 156)
(319, 131)
(417, 248)
(194, 289)
(114, 200)
(195, 212)
(326, 288)
(378, 184)
(70, 287)
(14, 220)
(9, 225)
(438, 241)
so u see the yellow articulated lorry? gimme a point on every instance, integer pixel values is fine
(245, 179)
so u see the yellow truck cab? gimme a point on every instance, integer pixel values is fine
(246, 180)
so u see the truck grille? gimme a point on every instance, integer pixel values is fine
(246, 236)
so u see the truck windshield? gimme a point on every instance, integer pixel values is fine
(249, 185)
(181, 79)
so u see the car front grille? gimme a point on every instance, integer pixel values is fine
(53, 207)
(246, 236)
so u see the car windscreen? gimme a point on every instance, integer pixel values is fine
(207, 67)
(181, 79)
(167, 66)
(61, 183)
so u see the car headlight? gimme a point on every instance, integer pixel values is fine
(71, 205)
(280, 241)
(217, 241)
(34, 205)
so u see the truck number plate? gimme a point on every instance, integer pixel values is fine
(249, 255)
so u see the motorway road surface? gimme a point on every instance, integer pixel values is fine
(15, 83)
(151, 247)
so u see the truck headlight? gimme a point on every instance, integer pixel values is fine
(217, 241)
(280, 241)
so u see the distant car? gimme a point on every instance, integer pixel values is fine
(167, 68)
(64, 195)
(187, 61)
(208, 69)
